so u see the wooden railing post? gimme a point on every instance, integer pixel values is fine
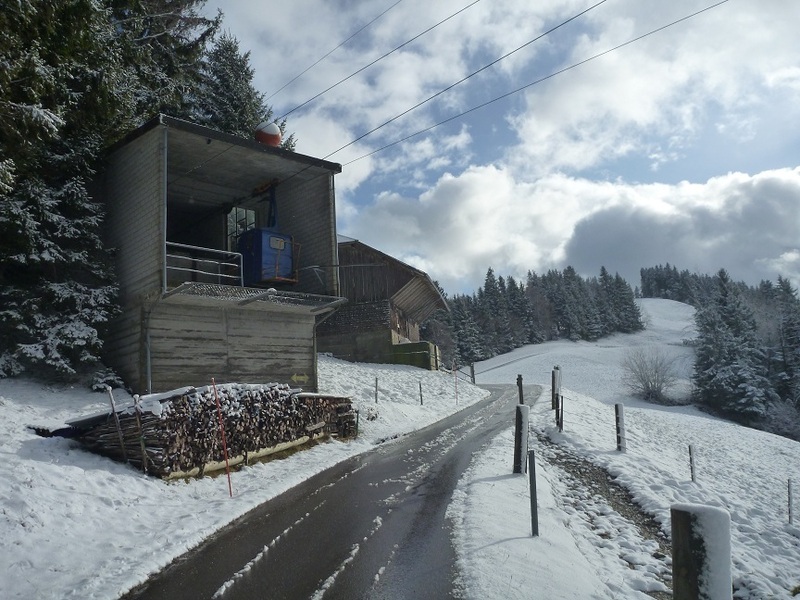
(701, 552)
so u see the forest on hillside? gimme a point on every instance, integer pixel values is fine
(505, 313)
(747, 365)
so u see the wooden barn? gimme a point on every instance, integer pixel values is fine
(225, 251)
(387, 302)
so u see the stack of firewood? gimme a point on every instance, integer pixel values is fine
(181, 434)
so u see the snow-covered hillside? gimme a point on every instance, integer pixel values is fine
(742, 470)
(56, 498)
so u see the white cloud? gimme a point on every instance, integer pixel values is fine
(484, 217)
(712, 96)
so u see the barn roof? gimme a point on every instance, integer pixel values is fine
(411, 289)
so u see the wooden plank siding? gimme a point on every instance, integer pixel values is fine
(388, 300)
(123, 349)
(134, 193)
(230, 344)
(306, 210)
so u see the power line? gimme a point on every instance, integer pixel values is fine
(538, 81)
(296, 77)
(406, 43)
(460, 81)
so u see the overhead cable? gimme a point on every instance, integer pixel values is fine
(538, 81)
(460, 81)
(380, 58)
(307, 69)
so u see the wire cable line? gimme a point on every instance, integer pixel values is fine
(380, 58)
(307, 69)
(538, 81)
(460, 81)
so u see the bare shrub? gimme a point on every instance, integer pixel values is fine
(649, 373)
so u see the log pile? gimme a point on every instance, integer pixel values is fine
(178, 433)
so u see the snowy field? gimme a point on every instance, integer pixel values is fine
(75, 525)
(741, 470)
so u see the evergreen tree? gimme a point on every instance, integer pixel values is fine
(628, 317)
(76, 74)
(605, 302)
(468, 336)
(59, 95)
(225, 98)
(161, 43)
(728, 367)
(541, 308)
(788, 343)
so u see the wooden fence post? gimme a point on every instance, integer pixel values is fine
(560, 412)
(619, 411)
(691, 464)
(701, 552)
(116, 421)
(521, 438)
(790, 501)
(455, 379)
(555, 388)
(519, 387)
(472, 372)
(534, 500)
(376, 390)
(420, 393)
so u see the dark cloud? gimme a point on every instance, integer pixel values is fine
(750, 233)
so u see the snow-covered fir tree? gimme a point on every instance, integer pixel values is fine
(225, 98)
(729, 366)
(76, 75)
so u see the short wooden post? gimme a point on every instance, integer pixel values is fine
(138, 411)
(420, 393)
(472, 372)
(701, 552)
(691, 464)
(553, 389)
(455, 379)
(619, 411)
(560, 413)
(558, 409)
(376, 390)
(116, 421)
(521, 438)
(790, 501)
(534, 501)
(519, 388)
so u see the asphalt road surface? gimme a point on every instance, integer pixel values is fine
(371, 527)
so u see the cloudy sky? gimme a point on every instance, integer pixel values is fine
(681, 147)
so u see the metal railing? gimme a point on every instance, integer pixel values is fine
(205, 265)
